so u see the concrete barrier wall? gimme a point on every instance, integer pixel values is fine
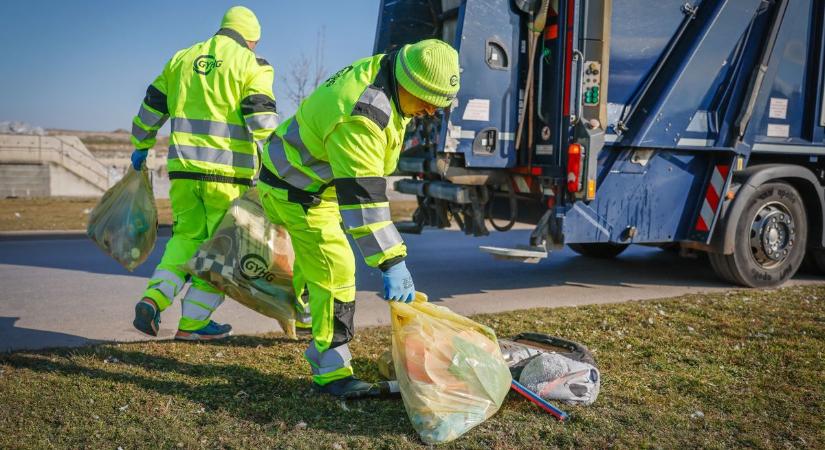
(34, 166)
(70, 169)
(24, 180)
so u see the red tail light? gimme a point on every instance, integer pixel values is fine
(574, 168)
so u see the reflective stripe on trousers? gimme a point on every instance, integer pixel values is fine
(329, 361)
(285, 169)
(168, 283)
(212, 155)
(379, 241)
(199, 305)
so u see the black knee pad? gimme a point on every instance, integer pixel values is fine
(343, 326)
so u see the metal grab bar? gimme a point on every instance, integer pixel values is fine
(578, 56)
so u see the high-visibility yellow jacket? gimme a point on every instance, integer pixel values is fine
(219, 96)
(348, 132)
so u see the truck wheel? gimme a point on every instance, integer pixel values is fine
(770, 239)
(598, 250)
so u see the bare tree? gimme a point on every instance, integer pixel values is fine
(306, 73)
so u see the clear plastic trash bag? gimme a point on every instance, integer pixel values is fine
(450, 369)
(250, 259)
(124, 224)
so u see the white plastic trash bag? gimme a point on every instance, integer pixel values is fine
(250, 259)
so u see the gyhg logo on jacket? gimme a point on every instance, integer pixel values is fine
(205, 63)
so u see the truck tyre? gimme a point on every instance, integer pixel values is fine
(770, 238)
(604, 250)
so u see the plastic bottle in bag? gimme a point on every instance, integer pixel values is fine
(124, 223)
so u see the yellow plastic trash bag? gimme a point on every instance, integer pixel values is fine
(124, 224)
(250, 260)
(450, 369)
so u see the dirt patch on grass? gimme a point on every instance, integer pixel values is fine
(730, 370)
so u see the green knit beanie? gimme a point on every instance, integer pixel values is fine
(429, 70)
(242, 20)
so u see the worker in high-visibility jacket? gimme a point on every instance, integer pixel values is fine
(219, 97)
(328, 163)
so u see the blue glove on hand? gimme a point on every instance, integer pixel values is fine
(398, 284)
(138, 158)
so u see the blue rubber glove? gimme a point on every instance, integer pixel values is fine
(138, 158)
(398, 284)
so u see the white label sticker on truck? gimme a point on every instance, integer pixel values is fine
(778, 130)
(477, 109)
(779, 108)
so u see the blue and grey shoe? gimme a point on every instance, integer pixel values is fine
(348, 388)
(211, 332)
(147, 317)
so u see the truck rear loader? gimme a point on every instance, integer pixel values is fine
(696, 125)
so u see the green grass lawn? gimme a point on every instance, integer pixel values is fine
(741, 369)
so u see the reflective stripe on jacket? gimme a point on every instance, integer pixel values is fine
(219, 97)
(348, 132)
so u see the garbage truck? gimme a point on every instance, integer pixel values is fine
(695, 125)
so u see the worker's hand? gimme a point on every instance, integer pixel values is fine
(138, 158)
(398, 284)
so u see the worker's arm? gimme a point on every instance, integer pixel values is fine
(258, 103)
(356, 149)
(152, 114)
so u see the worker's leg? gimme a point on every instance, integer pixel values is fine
(327, 266)
(201, 300)
(303, 322)
(188, 231)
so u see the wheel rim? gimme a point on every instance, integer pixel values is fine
(772, 235)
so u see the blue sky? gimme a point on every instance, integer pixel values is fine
(85, 65)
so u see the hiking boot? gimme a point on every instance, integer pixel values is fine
(147, 317)
(213, 331)
(347, 388)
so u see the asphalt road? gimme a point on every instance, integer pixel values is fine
(63, 291)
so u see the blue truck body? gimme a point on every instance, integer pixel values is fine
(710, 135)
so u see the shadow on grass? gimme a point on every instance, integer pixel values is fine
(245, 392)
(13, 337)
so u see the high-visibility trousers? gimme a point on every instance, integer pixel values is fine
(325, 264)
(197, 209)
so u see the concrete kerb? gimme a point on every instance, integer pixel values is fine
(42, 235)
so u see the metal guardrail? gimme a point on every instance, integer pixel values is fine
(57, 150)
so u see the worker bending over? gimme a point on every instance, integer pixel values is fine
(328, 163)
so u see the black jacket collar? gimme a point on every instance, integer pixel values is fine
(386, 78)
